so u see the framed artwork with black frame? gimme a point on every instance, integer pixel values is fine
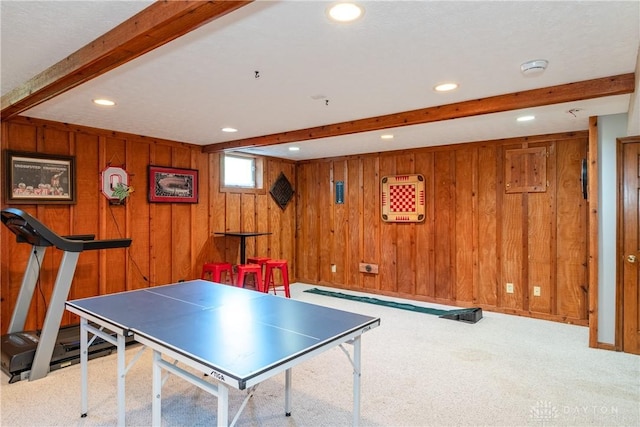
(37, 178)
(172, 185)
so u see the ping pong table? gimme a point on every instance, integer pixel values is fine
(236, 337)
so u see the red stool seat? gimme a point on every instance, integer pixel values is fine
(260, 260)
(244, 269)
(269, 281)
(215, 270)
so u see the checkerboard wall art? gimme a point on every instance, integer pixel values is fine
(403, 198)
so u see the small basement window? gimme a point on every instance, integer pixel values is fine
(241, 173)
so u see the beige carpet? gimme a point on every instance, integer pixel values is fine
(418, 370)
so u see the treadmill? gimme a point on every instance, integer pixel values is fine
(33, 354)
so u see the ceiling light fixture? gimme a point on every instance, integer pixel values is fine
(294, 148)
(104, 102)
(445, 87)
(345, 12)
(229, 130)
(525, 118)
(386, 136)
(534, 68)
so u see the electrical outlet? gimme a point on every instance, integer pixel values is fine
(536, 291)
(509, 288)
(334, 268)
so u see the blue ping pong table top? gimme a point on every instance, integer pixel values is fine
(239, 332)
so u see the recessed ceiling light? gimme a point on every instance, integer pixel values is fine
(445, 87)
(386, 136)
(525, 118)
(229, 130)
(104, 102)
(294, 148)
(345, 12)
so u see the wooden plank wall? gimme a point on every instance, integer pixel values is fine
(474, 240)
(170, 241)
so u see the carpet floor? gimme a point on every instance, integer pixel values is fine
(417, 370)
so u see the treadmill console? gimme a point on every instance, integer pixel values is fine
(29, 230)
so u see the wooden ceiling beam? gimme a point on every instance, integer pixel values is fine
(588, 89)
(158, 24)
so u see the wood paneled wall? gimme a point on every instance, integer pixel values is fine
(475, 239)
(170, 241)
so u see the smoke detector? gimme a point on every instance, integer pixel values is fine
(534, 68)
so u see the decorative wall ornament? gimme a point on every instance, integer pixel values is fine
(281, 191)
(403, 198)
(115, 184)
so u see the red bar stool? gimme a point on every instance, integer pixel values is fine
(260, 260)
(215, 270)
(244, 269)
(269, 281)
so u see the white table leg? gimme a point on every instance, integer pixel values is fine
(156, 405)
(356, 381)
(287, 392)
(122, 372)
(223, 405)
(84, 370)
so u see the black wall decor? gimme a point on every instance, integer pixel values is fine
(584, 179)
(281, 191)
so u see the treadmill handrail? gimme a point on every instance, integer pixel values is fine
(29, 229)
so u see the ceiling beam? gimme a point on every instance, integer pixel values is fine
(588, 89)
(158, 24)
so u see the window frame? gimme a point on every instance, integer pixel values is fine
(258, 174)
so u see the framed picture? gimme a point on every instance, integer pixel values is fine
(173, 185)
(36, 178)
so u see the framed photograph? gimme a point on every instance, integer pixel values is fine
(172, 185)
(36, 178)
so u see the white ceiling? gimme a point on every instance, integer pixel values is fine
(386, 62)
